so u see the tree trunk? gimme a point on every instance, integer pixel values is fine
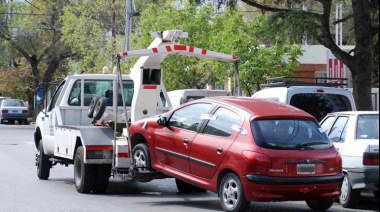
(363, 58)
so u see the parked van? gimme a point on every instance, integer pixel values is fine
(179, 97)
(318, 99)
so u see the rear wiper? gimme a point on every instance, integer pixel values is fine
(306, 144)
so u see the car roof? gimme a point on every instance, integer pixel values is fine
(262, 108)
(355, 113)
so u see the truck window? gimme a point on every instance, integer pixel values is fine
(320, 104)
(101, 88)
(55, 96)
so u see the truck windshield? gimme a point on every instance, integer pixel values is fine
(320, 104)
(289, 134)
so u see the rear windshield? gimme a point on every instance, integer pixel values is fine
(13, 103)
(289, 134)
(368, 127)
(320, 104)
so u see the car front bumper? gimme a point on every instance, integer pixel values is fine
(266, 189)
(364, 178)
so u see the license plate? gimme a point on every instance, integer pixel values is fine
(15, 111)
(305, 168)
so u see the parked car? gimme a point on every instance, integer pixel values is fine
(244, 149)
(318, 99)
(12, 110)
(356, 136)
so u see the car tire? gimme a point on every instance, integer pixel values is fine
(141, 158)
(349, 197)
(102, 176)
(320, 205)
(231, 194)
(83, 173)
(99, 108)
(91, 107)
(43, 163)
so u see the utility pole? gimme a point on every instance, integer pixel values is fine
(128, 24)
(339, 26)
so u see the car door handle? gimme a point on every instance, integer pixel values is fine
(186, 141)
(219, 150)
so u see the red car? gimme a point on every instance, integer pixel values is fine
(244, 149)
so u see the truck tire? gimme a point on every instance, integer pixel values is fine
(100, 107)
(83, 173)
(320, 205)
(101, 179)
(91, 107)
(231, 194)
(43, 163)
(350, 197)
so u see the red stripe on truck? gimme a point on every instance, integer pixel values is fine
(123, 155)
(180, 47)
(191, 49)
(204, 51)
(150, 87)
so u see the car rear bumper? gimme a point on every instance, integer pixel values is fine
(14, 116)
(265, 189)
(364, 178)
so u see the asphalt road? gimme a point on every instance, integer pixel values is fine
(21, 190)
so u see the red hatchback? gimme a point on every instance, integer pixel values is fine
(244, 149)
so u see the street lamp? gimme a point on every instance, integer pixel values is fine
(130, 13)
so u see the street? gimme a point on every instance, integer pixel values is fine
(21, 190)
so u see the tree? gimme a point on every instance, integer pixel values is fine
(292, 23)
(225, 32)
(34, 39)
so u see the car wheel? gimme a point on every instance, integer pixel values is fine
(320, 205)
(231, 194)
(83, 173)
(1, 121)
(102, 176)
(43, 164)
(349, 197)
(141, 158)
(91, 107)
(99, 108)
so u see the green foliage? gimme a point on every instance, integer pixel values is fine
(227, 33)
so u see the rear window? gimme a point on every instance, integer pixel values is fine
(368, 127)
(320, 104)
(13, 103)
(289, 134)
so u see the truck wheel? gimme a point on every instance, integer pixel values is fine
(101, 179)
(231, 194)
(320, 205)
(91, 107)
(100, 107)
(83, 173)
(350, 197)
(43, 163)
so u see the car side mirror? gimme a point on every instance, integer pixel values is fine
(162, 121)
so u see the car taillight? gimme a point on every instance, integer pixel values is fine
(25, 111)
(4, 111)
(257, 161)
(371, 159)
(339, 161)
(320, 91)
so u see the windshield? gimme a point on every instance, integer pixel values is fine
(289, 134)
(320, 104)
(368, 127)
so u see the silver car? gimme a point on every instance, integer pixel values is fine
(12, 110)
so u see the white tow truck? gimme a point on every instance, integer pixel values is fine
(87, 121)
